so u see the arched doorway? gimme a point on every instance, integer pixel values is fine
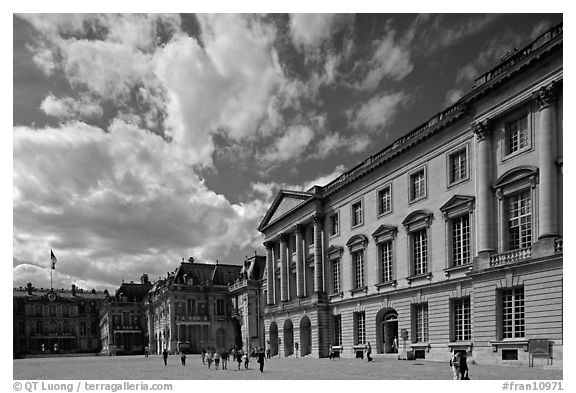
(387, 331)
(305, 337)
(273, 337)
(288, 338)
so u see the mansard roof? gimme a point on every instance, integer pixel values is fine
(205, 274)
(286, 201)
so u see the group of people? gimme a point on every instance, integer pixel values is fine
(210, 356)
(459, 365)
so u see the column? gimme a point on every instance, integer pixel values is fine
(482, 130)
(318, 254)
(299, 261)
(546, 98)
(283, 268)
(270, 298)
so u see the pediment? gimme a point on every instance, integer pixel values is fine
(457, 201)
(516, 174)
(384, 230)
(357, 239)
(417, 216)
(284, 202)
(334, 251)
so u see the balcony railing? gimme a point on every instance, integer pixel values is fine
(510, 256)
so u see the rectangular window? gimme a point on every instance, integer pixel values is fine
(337, 330)
(417, 185)
(310, 235)
(420, 320)
(458, 166)
(336, 275)
(384, 200)
(517, 135)
(220, 307)
(461, 240)
(513, 317)
(357, 213)
(420, 251)
(360, 324)
(519, 221)
(82, 328)
(358, 261)
(462, 319)
(385, 254)
(334, 224)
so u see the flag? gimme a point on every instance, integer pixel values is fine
(53, 259)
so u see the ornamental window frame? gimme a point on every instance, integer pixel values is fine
(334, 256)
(519, 180)
(380, 207)
(358, 202)
(510, 127)
(385, 236)
(456, 208)
(418, 223)
(461, 319)
(451, 181)
(357, 246)
(420, 319)
(359, 328)
(412, 183)
(513, 311)
(334, 224)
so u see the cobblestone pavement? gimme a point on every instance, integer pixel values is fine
(152, 368)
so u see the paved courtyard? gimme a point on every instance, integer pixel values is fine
(152, 368)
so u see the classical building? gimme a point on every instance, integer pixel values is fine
(248, 302)
(448, 239)
(55, 321)
(190, 309)
(123, 319)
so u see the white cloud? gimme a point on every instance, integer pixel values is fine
(291, 145)
(334, 142)
(67, 107)
(389, 59)
(452, 96)
(378, 112)
(311, 30)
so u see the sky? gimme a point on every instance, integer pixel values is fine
(140, 139)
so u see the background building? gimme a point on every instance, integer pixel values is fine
(55, 321)
(448, 239)
(123, 319)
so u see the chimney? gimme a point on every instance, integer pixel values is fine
(29, 288)
(73, 290)
(191, 259)
(144, 279)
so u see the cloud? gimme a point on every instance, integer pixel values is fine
(334, 142)
(389, 60)
(290, 145)
(312, 30)
(378, 112)
(452, 96)
(68, 107)
(116, 201)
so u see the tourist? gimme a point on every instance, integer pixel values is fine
(261, 357)
(463, 366)
(225, 360)
(332, 354)
(209, 359)
(204, 355)
(165, 356)
(368, 352)
(268, 351)
(246, 359)
(455, 364)
(217, 360)
(183, 358)
(239, 358)
(146, 352)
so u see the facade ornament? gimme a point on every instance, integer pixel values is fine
(317, 217)
(298, 228)
(546, 95)
(268, 244)
(482, 129)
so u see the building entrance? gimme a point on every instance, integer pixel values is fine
(390, 332)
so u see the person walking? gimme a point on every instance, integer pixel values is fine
(455, 364)
(209, 359)
(225, 360)
(463, 366)
(261, 357)
(146, 352)
(217, 360)
(368, 352)
(165, 356)
(204, 355)
(183, 358)
(239, 358)
(268, 351)
(246, 359)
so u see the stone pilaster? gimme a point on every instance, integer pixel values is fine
(270, 298)
(283, 268)
(318, 287)
(548, 208)
(299, 261)
(483, 130)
